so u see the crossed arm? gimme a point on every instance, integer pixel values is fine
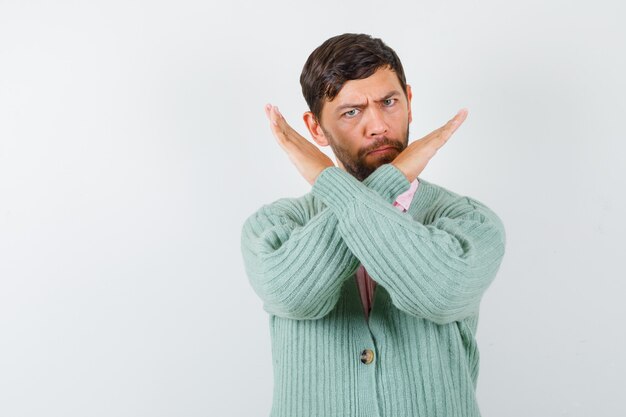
(297, 263)
(295, 256)
(298, 252)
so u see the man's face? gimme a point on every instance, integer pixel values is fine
(367, 123)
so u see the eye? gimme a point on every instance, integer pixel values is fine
(388, 102)
(351, 113)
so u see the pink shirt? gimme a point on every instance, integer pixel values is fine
(366, 284)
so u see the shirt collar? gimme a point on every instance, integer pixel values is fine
(404, 199)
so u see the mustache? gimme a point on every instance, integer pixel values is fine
(384, 141)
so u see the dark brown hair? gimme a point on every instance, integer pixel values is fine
(350, 56)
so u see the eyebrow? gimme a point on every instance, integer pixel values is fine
(360, 105)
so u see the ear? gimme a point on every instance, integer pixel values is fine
(409, 96)
(315, 129)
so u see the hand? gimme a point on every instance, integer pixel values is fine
(413, 159)
(307, 158)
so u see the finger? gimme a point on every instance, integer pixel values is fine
(278, 132)
(449, 127)
(267, 108)
(280, 119)
(282, 126)
(282, 130)
(274, 115)
(444, 132)
(283, 133)
(440, 136)
(454, 123)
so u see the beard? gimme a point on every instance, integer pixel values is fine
(356, 164)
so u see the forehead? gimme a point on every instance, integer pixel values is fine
(377, 85)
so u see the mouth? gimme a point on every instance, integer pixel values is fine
(382, 149)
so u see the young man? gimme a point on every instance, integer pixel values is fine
(373, 279)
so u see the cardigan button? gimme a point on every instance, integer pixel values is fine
(367, 356)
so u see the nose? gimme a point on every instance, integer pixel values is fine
(376, 124)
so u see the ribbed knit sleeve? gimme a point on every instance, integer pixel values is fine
(437, 271)
(297, 261)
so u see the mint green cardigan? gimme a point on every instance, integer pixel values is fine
(432, 268)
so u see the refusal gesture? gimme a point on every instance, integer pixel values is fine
(307, 158)
(310, 161)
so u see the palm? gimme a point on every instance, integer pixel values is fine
(307, 158)
(416, 156)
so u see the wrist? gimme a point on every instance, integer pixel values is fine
(402, 171)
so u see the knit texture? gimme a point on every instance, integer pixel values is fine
(431, 266)
(365, 284)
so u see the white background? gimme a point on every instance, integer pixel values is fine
(133, 145)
